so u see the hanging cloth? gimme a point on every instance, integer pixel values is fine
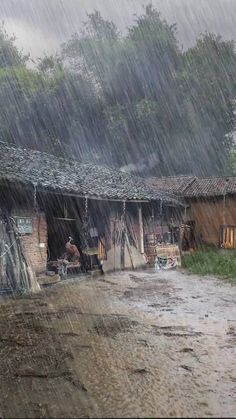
(85, 236)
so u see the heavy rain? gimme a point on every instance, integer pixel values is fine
(117, 208)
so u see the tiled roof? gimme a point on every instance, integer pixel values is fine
(173, 185)
(189, 186)
(71, 176)
(213, 186)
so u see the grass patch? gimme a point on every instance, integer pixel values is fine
(211, 261)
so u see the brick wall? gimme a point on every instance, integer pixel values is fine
(35, 244)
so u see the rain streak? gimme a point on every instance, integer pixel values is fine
(117, 209)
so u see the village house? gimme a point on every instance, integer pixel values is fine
(48, 202)
(210, 206)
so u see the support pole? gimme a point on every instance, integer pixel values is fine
(140, 218)
(224, 208)
(185, 213)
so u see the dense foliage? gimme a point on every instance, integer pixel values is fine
(211, 261)
(134, 99)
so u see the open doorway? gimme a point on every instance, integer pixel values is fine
(69, 228)
(59, 231)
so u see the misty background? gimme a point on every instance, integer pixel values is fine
(41, 26)
(148, 87)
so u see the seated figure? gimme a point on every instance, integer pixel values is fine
(72, 252)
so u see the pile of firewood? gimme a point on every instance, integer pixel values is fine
(16, 273)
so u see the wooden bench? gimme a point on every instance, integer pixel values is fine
(62, 268)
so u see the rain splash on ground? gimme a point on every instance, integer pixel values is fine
(131, 344)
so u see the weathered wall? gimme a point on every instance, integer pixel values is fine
(35, 244)
(132, 256)
(113, 261)
(209, 215)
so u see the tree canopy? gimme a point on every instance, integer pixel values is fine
(133, 100)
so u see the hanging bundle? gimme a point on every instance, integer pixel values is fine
(121, 226)
(161, 207)
(35, 204)
(121, 238)
(123, 218)
(85, 225)
(16, 272)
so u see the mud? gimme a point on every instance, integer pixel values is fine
(140, 344)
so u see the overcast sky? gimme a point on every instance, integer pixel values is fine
(42, 25)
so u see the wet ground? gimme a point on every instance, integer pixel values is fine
(133, 344)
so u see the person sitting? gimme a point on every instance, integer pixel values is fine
(72, 251)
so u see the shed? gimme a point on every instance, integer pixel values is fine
(211, 205)
(51, 198)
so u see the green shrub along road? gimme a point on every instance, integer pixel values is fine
(211, 261)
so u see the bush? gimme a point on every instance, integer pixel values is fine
(211, 261)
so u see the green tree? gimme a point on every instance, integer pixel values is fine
(50, 64)
(209, 87)
(88, 50)
(232, 162)
(122, 99)
(9, 53)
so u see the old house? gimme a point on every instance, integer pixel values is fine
(45, 201)
(210, 206)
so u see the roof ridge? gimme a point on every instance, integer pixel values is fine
(173, 177)
(72, 176)
(66, 159)
(214, 177)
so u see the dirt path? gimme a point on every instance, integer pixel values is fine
(133, 344)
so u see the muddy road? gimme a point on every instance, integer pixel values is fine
(133, 344)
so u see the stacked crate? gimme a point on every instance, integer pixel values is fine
(169, 250)
(150, 248)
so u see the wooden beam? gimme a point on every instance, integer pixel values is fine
(140, 218)
(64, 219)
(40, 189)
(96, 198)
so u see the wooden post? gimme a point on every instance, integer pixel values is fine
(122, 250)
(181, 235)
(2, 255)
(114, 237)
(185, 213)
(140, 218)
(224, 207)
(129, 250)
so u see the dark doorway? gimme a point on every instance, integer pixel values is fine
(59, 231)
